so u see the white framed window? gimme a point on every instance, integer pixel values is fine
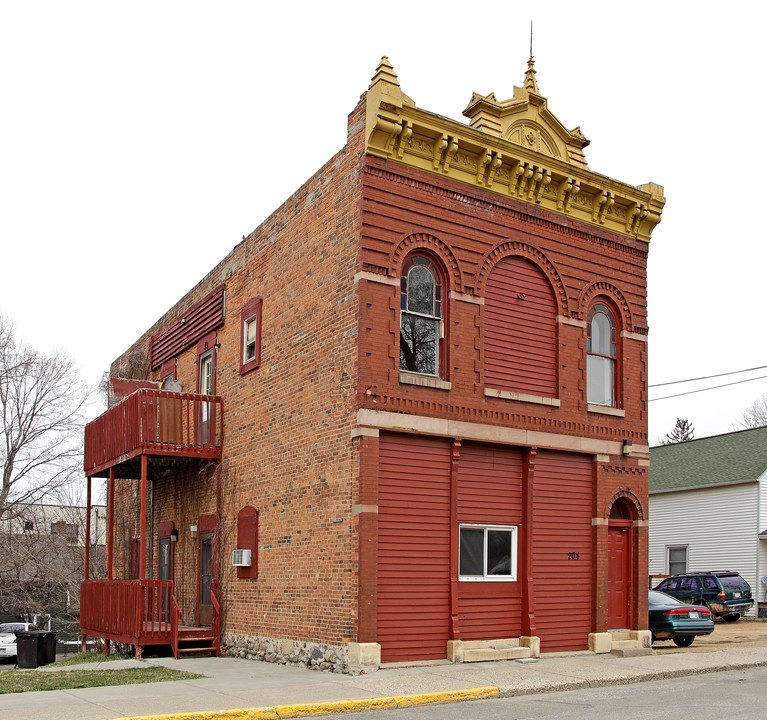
(676, 559)
(250, 342)
(602, 356)
(206, 374)
(487, 552)
(250, 335)
(205, 382)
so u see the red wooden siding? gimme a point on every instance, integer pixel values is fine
(490, 493)
(520, 329)
(413, 547)
(562, 525)
(201, 319)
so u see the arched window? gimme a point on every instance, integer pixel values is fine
(602, 349)
(420, 317)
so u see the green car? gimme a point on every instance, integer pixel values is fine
(671, 619)
(725, 593)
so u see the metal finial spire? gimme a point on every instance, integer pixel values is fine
(530, 84)
(531, 39)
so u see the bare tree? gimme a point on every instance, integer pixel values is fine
(681, 432)
(755, 415)
(42, 554)
(42, 403)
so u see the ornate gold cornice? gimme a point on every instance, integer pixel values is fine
(515, 148)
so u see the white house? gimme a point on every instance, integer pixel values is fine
(708, 506)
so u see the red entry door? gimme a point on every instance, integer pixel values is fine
(618, 576)
(205, 607)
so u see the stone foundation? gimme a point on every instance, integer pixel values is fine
(315, 656)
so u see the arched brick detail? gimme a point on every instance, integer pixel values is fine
(426, 241)
(513, 247)
(632, 500)
(610, 291)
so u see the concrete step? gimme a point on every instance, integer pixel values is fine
(632, 651)
(488, 654)
(499, 643)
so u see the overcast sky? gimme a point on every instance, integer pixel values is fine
(140, 141)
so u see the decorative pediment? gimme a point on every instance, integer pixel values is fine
(533, 135)
(526, 120)
(516, 148)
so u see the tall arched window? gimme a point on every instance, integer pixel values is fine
(602, 360)
(420, 317)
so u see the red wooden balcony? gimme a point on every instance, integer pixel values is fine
(161, 424)
(131, 611)
(141, 613)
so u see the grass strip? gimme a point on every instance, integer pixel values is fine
(19, 681)
(88, 657)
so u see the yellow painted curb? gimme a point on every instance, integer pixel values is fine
(277, 712)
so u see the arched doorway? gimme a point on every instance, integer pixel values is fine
(619, 564)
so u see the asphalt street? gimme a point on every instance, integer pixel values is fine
(717, 695)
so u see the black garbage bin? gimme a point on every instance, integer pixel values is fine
(35, 648)
(46, 648)
(27, 647)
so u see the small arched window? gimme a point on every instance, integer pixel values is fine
(420, 317)
(602, 350)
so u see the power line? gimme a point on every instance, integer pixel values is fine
(710, 377)
(715, 387)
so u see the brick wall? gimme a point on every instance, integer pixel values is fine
(288, 449)
(470, 229)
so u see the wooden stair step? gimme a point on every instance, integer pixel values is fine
(195, 636)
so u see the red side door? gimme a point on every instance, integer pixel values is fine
(618, 575)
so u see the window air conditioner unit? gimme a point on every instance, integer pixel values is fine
(241, 558)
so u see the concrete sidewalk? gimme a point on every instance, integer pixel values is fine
(231, 684)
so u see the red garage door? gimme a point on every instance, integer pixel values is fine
(562, 550)
(490, 493)
(413, 547)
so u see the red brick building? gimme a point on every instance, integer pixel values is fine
(415, 398)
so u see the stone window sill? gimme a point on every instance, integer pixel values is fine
(605, 410)
(424, 381)
(521, 397)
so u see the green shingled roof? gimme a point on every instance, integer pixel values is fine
(719, 459)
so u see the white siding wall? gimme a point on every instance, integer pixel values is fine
(719, 526)
(762, 543)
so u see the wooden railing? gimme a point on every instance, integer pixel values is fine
(155, 422)
(139, 612)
